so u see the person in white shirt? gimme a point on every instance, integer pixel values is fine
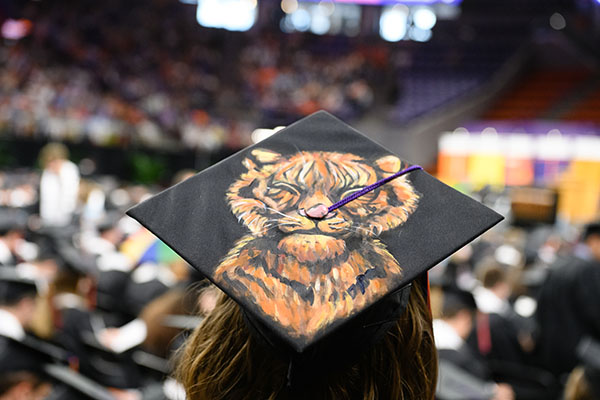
(59, 186)
(461, 369)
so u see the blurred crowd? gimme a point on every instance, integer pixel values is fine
(83, 74)
(299, 79)
(94, 306)
(91, 304)
(516, 315)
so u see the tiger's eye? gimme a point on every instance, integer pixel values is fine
(350, 192)
(287, 187)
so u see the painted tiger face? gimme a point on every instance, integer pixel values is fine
(305, 273)
(277, 192)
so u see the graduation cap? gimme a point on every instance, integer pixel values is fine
(81, 384)
(316, 231)
(15, 285)
(74, 259)
(12, 220)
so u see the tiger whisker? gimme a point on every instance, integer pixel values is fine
(290, 223)
(366, 229)
(283, 222)
(347, 229)
(285, 215)
(356, 229)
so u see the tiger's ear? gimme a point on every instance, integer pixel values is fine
(389, 164)
(265, 156)
(262, 156)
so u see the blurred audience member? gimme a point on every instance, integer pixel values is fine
(451, 332)
(17, 310)
(23, 385)
(13, 247)
(569, 305)
(584, 380)
(499, 328)
(59, 186)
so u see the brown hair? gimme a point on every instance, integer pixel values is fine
(577, 387)
(52, 152)
(159, 337)
(221, 360)
(493, 275)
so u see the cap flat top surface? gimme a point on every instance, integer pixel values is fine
(243, 223)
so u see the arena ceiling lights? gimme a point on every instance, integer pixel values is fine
(414, 19)
(321, 18)
(233, 15)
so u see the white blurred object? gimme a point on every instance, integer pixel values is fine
(58, 194)
(488, 302)
(27, 251)
(233, 15)
(508, 255)
(150, 271)
(173, 390)
(114, 261)
(261, 134)
(525, 306)
(424, 18)
(393, 23)
(124, 338)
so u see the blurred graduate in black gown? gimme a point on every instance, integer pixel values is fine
(569, 304)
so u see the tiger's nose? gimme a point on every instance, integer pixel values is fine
(317, 212)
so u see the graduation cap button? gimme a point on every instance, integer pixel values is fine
(318, 212)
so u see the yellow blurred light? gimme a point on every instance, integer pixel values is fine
(289, 6)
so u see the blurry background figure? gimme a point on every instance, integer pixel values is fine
(568, 305)
(504, 338)
(451, 332)
(498, 325)
(23, 386)
(20, 366)
(13, 246)
(59, 186)
(584, 380)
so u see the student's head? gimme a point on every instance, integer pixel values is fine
(12, 227)
(458, 310)
(584, 381)
(17, 295)
(223, 359)
(578, 386)
(22, 386)
(591, 238)
(53, 153)
(494, 277)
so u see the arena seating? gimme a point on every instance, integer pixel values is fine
(536, 93)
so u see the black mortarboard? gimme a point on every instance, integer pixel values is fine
(259, 224)
(12, 219)
(455, 300)
(14, 285)
(74, 259)
(82, 384)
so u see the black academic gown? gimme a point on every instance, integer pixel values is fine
(568, 309)
(503, 333)
(103, 366)
(467, 360)
(16, 357)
